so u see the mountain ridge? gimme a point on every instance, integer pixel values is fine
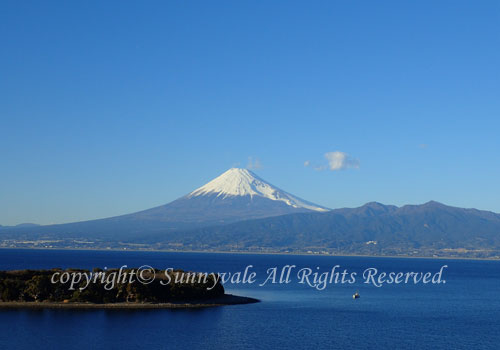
(428, 229)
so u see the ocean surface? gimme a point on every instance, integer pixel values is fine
(463, 313)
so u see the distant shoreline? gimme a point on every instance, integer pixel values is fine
(225, 300)
(258, 253)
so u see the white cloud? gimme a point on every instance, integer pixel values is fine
(340, 160)
(254, 163)
(335, 160)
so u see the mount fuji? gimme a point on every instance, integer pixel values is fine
(236, 195)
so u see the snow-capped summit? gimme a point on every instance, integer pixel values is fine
(243, 182)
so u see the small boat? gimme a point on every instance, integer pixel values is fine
(355, 295)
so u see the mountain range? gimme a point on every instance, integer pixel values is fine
(430, 229)
(239, 211)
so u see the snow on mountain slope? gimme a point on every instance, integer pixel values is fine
(243, 182)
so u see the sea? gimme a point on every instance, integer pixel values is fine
(461, 310)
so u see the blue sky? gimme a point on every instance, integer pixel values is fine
(112, 107)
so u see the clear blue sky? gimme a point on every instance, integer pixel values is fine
(112, 107)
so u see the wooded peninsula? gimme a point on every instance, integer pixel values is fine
(113, 288)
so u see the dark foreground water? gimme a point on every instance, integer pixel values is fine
(463, 313)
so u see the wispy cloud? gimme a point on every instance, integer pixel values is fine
(336, 160)
(254, 163)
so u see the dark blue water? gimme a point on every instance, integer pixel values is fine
(464, 313)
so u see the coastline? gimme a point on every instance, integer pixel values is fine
(225, 300)
(256, 253)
